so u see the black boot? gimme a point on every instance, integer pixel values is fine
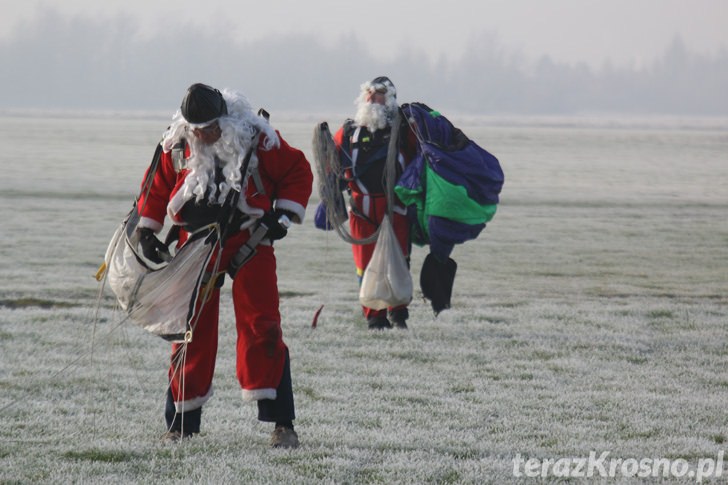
(180, 425)
(281, 411)
(399, 317)
(378, 322)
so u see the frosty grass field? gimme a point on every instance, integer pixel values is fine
(590, 316)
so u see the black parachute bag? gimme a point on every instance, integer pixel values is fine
(436, 281)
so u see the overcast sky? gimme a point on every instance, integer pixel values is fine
(624, 32)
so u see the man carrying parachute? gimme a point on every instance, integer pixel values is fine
(448, 184)
(366, 156)
(231, 185)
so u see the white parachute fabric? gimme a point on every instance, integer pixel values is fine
(328, 175)
(159, 300)
(387, 281)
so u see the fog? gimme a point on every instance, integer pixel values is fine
(58, 61)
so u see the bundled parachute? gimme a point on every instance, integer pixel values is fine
(331, 212)
(166, 299)
(163, 298)
(160, 300)
(454, 186)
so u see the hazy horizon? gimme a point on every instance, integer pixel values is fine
(648, 57)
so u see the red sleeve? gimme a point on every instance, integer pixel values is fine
(153, 208)
(410, 143)
(339, 138)
(288, 176)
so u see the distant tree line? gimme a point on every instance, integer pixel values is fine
(62, 63)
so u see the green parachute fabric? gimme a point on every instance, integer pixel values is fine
(452, 183)
(452, 188)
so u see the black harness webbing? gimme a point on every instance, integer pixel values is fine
(247, 250)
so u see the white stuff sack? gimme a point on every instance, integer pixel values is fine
(387, 281)
(157, 300)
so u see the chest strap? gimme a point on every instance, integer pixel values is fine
(259, 187)
(178, 156)
(247, 250)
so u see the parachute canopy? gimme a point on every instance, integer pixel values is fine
(162, 301)
(453, 183)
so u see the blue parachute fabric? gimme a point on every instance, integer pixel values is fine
(413, 174)
(456, 159)
(453, 156)
(451, 189)
(471, 167)
(430, 125)
(446, 233)
(320, 220)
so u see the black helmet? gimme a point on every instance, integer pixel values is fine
(383, 82)
(202, 104)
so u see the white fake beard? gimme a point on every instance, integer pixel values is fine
(236, 139)
(372, 115)
(201, 165)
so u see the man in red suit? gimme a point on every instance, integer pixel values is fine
(203, 152)
(362, 144)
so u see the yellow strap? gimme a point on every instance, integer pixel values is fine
(100, 273)
(206, 288)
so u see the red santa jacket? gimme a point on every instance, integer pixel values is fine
(284, 172)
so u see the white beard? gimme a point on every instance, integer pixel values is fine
(373, 116)
(237, 130)
(201, 177)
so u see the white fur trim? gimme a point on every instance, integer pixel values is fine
(192, 404)
(253, 212)
(294, 207)
(258, 394)
(149, 223)
(176, 203)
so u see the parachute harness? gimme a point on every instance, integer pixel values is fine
(329, 172)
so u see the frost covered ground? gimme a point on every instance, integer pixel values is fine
(590, 316)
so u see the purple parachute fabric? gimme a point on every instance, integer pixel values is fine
(453, 157)
(471, 167)
(446, 233)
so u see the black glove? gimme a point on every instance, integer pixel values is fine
(271, 219)
(152, 248)
(197, 214)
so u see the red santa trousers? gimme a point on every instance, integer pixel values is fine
(260, 348)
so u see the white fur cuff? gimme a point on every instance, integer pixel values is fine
(258, 394)
(192, 404)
